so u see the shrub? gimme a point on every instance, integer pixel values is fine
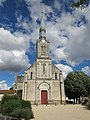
(22, 113)
(88, 105)
(9, 106)
(15, 107)
(25, 104)
(84, 102)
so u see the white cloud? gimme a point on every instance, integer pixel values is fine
(9, 41)
(35, 8)
(79, 44)
(74, 41)
(69, 41)
(57, 4)
(3, 85)
(65, 69)
(86, 70)
(1, 2)
(12, 51)
(23, 23)
(59, 54)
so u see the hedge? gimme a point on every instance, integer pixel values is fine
(88, 105)
(15, 107)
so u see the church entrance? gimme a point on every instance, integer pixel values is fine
(44, 97)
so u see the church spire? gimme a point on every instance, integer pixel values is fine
(42, 20)
(42, 30)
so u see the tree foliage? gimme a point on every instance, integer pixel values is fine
(15, 107)
(88, 105)
(81, 4)
(77, 84)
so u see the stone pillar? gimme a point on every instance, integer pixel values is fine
(36, 93)
(50, 70)
(25, 98)
(24, 94)
(37, 69)
(62, 90)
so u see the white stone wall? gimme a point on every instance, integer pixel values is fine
(19, 86)
(33, 70)
(43, 85)
(48, 71)
(56, 90)
(31, 90)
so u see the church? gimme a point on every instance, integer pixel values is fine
(42, 82)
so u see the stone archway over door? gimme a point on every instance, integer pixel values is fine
(44, 97)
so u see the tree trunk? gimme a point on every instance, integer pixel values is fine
(74, 100)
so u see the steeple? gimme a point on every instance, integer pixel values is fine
(42, 30)
(42, 44)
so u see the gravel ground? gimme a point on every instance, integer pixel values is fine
(61, 112)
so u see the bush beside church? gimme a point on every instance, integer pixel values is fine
(15, 107)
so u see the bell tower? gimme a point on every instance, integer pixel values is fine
(42, 44)
(43, 57)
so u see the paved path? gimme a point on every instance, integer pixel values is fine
(61, 112)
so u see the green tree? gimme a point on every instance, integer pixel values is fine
(77, 84)
(81, 4)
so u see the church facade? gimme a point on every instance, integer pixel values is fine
(42, 82)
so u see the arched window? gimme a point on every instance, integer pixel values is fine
(31, 75)
(44, 68)
(55, 75)
(43, 50)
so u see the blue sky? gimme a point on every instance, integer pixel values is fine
(68, 31)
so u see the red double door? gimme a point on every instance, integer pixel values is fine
(44, 97)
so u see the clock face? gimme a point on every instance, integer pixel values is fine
(43, 40)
